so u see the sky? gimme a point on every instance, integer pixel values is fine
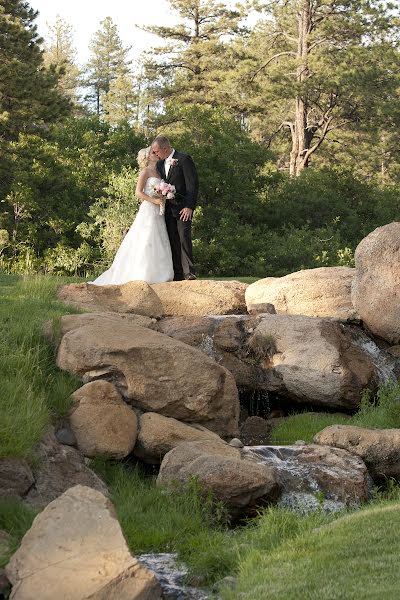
(85, 17)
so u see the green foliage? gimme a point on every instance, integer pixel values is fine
(188, 68)
(113, 214)
(15, 518)
(33, 389)
(28, 96)
(304, 426)
(155, 519)
(357, 553)
(60, 52)
(108, 61)
(379, 412)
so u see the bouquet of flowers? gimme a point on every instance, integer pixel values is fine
(166, 191)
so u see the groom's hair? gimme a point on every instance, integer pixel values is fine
(162, 141)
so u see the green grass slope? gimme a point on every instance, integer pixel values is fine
(357, 557)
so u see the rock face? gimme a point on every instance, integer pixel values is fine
(223, 339)
(199, 298)
(376, 286)
(378, 448)
(154, 373)
(57, 469)
(240, 484)
(314, 360)
(322, 292)
(102, 422)
(75, 550)
(312, 476)
(158, 435)
(132, 297)
(70, 322)
(16, 477)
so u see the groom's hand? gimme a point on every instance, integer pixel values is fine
(186, 214)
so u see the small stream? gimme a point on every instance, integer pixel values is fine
(171, 575)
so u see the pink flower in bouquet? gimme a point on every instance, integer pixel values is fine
(165, 189)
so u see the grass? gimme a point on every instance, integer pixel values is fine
(155, 520)
(277, 555)
(380, 412)
(303, 426)
(357, 557)
(33, 390)
(15, 518)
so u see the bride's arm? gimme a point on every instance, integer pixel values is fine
(141, 182)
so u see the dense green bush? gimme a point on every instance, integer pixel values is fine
(72, 200)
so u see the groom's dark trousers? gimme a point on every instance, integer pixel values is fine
(183, 176)
(180, 238)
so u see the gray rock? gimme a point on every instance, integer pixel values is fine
(58, 468)
(66, 436)
(236, 443)
(16, 477)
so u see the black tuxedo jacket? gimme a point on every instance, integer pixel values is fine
(184, 177)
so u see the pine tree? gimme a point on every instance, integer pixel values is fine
(189, 68)
(120, 104)
(108, 61)
(28, 95)
(60, 51)
(320, 66)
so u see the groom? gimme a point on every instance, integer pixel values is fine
(179, 170)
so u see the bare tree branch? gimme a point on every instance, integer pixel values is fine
(270, 60)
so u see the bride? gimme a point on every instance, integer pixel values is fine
(145, 252)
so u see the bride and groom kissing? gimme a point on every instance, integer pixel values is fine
(158, 245)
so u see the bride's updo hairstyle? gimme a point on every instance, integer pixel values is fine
(143, 156)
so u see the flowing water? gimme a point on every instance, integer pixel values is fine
(171, 576)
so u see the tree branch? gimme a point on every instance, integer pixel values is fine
(317, 144)
(270, 60)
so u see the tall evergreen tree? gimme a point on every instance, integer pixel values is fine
(108, 61)
(60, 51)
(189, 67)
(120, 104)
(321, 66)
(28, 94)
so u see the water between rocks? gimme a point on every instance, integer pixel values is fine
(171, 575)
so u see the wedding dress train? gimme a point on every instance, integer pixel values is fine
(145, 252)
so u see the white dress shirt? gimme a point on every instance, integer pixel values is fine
(168, 162)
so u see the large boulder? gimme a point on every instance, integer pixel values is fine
(133, 297)
(70, 322)
(314, 360)
(154, 373)
(312, 476)
(103, 424)
(322, 292)
(57, 468)
(240, 484)
(378, 448)
(54, 330)
(201, 297)
(376, 286)
(75, 550)
(158, 435)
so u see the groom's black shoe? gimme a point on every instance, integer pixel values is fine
(190, 276)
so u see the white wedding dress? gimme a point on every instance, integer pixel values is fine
(145, 252)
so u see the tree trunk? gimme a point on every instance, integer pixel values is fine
(300, 141)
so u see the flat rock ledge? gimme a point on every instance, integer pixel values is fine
(378, 448)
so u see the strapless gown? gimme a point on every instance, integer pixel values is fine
(145, 252)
